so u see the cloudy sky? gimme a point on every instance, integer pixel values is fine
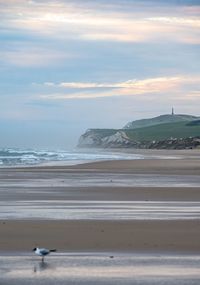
(70, 65)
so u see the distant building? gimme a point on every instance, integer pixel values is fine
(172, 111)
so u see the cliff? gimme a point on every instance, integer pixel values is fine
(183, 134)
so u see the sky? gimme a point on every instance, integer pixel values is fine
(70, 65)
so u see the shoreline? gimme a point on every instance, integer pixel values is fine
(140, 154)
(149, 165)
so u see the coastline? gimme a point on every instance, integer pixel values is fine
(101, 155)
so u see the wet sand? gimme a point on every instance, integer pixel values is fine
(103, 181)
(99, 268)
(182, 166)
(148, 236)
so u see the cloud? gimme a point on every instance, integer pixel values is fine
(71, 20)
(193, 95)
(181, 21)
(126, 84)
(30, 56)
(179, 29)
(135, 87)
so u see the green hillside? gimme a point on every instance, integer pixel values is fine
(163, 119)
(164, 131)
(158, 132)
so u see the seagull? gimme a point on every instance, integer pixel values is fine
(43, 251)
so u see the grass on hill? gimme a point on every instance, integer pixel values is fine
(164, 131)
(102, 133)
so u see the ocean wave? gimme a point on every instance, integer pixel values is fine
(14, 157)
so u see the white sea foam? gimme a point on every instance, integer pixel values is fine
(16, 157)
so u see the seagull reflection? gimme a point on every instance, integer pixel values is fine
(41, 266)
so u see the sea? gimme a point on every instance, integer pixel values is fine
(10, 157)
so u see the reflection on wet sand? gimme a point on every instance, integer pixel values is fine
(100, 210)
(42, 265)
(99, 268)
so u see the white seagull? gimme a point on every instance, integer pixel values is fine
(43, 251)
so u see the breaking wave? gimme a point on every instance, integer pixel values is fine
(17, 157)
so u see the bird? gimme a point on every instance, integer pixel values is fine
(43, 251)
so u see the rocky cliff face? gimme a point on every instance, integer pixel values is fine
(119, 139)
(174, 143)
(89, 139)
(93, 138)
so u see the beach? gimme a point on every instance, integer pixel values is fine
(58, 205)
(101, 236)
(127, 208)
